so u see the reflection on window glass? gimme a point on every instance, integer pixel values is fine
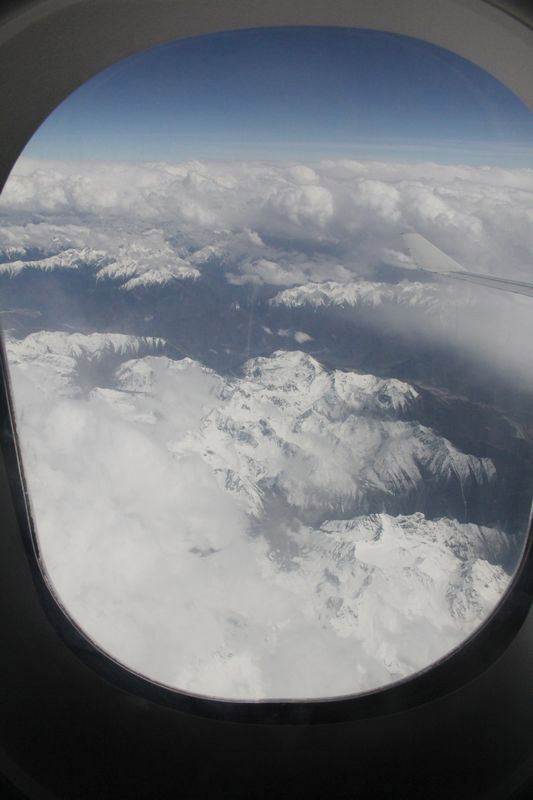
(272, 451)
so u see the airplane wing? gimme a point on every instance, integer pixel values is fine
(430, 259)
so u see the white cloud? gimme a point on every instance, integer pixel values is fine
(275, 223)
(301, 337)
(266, 271)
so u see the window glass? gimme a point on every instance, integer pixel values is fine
(267, 299)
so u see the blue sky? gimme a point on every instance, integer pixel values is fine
(291, 93)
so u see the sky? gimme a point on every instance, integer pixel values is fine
(286, 93)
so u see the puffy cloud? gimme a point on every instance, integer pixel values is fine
(298, 336)
(303, 206)
(302, 174)
(301, 337)
(265, 271)
(328, 222)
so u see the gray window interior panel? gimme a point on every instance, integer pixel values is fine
(67, 729)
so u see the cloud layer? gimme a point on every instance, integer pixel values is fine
(349, 213)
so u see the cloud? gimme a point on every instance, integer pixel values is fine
(275, 223)
(299, 336)
(265, 271)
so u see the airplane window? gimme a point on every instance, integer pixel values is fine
(267, 300)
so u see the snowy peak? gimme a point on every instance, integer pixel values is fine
(132, 266)
(292, 372)
(364, 293)
(137, 265)
(301, 376)
(66, 259)
(78, 345)
(55, 359)
(289, 428)
(440, 573)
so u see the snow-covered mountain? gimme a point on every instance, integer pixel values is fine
(377, 577)
(141, 265)
(65, 259)
(253, 508)
(55, 360)
(372, 294)
(321, 440)
(131, 266)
